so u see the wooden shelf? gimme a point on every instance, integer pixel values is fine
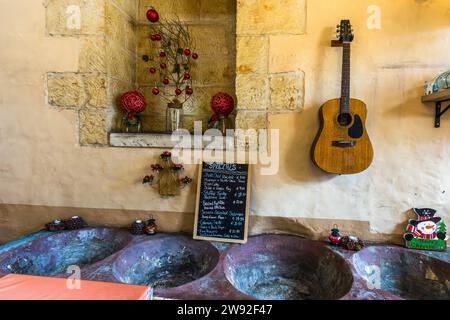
(438, 98)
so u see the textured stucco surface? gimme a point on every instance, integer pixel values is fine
(42, 164)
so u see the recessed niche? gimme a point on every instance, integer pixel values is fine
(212, 26)
(231, 38)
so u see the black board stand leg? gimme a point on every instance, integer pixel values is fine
(437, 120)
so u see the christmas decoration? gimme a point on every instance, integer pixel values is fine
(335, 236)
(152, 15)
(172, 62)
(352, 243)
(75, 223)
(222, 104)
(133, 102)
(168, 176)
(55, 225)
(155, 91)
(137, 227)
(151, 228)
(427, 232)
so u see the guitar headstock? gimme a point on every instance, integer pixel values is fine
(345, 31)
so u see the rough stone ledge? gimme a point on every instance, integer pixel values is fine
(160, 140)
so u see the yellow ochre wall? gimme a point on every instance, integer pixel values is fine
(45, 174)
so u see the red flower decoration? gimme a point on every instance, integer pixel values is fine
(133, 102)
(189, 91)
(155, 91)
(187, 52)
(178, 92)
(166, 154)
(195, 56)
(177, 167)
(157, 167)
(166, 81)
(186, 180)
(222, 104)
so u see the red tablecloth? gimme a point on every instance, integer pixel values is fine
(22, 287)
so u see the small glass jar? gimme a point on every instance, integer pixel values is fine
(443, 81)
(174, 116)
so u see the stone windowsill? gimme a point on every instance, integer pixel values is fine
(167, 141)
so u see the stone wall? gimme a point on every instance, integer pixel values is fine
(211, 25)
(106, 33)
(259, 91)
(45, 174)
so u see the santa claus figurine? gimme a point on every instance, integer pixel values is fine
(425, 227)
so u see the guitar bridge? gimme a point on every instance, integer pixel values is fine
(344, 144)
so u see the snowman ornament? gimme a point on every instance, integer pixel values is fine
(426, 232)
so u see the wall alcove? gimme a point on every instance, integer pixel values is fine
(234, 58)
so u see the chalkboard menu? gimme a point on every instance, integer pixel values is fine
(223, 198)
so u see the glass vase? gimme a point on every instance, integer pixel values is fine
(174, 117)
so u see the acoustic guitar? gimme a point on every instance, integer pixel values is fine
(342, 145)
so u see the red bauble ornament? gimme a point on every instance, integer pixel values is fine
(166, 81)
(152, 15)
(162, 54)
(178, 92)
(335, 236)
(155, 37)
(155, 91)
(222, 104)
(186, 76)
(133, 102)
(163, 66)
(152, 70)
(189, 91)
(187, 52)
(195, 56)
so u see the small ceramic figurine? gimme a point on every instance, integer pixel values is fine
(151, 227)
(76, 223)
(137, 227)
(55, 225)
(335, 236)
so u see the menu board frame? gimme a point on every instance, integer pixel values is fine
(247, 207)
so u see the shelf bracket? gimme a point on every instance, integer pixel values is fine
(439, 113)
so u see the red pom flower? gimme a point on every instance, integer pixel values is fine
(177, 167)
(133, 102)
(166, 155)
(157, 168)
(222, 104)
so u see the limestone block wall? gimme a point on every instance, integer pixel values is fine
(259, 91)
(212, 27)
(107, 62)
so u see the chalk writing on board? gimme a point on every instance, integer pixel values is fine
(222, 207)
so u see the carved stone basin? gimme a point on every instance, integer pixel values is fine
(405, 273)
(167, 262)
(275, 267)
(53, 254)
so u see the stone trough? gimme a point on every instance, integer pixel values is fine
(267, 267)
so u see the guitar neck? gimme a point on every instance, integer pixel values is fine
(345, 87)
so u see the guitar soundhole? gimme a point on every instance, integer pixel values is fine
(345, 119)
